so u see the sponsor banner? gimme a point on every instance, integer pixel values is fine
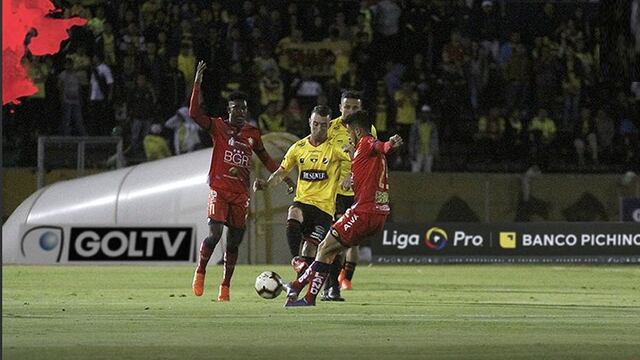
(516, 242)
(630, 209)
(77, 244)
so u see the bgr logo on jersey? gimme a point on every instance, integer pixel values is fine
(143, 244)
(236, 157)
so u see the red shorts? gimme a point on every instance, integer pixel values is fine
(227, 207)
(355, 226)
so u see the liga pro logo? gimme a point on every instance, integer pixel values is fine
(42, 245)
(436, 238)
(508, 240)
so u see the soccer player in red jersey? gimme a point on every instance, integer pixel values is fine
(234, 140)
(364, 218)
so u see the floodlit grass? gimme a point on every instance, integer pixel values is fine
(394, 312)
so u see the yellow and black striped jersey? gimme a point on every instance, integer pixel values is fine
(320, 170)
(337, 132)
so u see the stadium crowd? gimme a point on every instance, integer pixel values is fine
(472, 85)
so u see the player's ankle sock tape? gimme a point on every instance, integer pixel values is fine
(294, 236)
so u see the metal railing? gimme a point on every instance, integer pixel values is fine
(81, 143)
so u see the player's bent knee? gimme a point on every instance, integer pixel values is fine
(295, 213)
(215, 231)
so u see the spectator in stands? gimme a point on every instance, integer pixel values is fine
(514, 136)
(294, 119)
(132, 39)
(490, 135)
(307, 93)
(271, 86)
(406, 101)
(185, 131)
(187, 64)
(571, 86)
(82, 68)
(586, 138)
(423, 142)
(542, 132)
(141, 102)
(101, 120)
(105, 44)
(69, 87)
(516, 74)
(488, 28)
(155, 145)
(605, 132)
(271, 120)
(382, 105)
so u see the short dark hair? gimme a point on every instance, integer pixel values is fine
(322, 110)
(237, 95)
(351, 94)
(359, 118)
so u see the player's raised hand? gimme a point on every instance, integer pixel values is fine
(259, 184)
(200, 71)
(396, 141)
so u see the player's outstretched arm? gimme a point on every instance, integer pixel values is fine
(394, 142)
(276, 178)
(194, 105)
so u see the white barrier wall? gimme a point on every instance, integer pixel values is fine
(169, 193)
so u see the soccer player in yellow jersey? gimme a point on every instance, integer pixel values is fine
(350, 102)
(322, 168)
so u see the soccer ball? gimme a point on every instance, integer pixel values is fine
(268, 285)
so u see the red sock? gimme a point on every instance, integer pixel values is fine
(315, 284)
(302, 280)
(205, 254)
(230, 259)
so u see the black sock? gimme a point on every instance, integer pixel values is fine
(294, 236)
(334, 272)
(349, 269)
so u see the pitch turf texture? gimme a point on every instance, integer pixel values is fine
(394, 312)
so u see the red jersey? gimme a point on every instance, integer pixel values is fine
(232, 149)
(369, 173)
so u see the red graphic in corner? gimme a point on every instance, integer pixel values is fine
(18, 18)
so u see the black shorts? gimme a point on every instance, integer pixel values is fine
(343, 202)
(315, 222)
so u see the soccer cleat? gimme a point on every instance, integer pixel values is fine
(331, 294)
(299, 264)
(223, 293)
(299, 303)
(292, 294)
(198, 283)
(345, 284)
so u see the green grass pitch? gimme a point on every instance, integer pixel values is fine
(410, 312)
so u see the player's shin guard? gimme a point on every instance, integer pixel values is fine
(206, 249)
(294, 236)
(317, 276)
(230, 258)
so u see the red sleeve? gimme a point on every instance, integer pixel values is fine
(264, 155)
(382, 147)
(203, 120)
